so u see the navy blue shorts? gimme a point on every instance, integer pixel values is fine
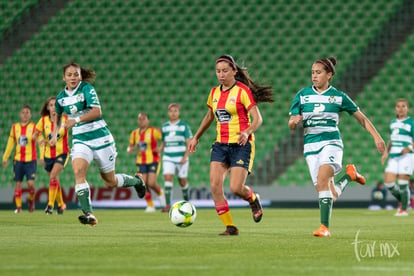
(148, 168)
(21, 169)
(50, 162)
(233, 155)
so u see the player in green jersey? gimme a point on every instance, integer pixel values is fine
(176, 135)
(91, 138)
(400, 165)
(317, 108)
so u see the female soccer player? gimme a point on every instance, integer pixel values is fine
(145, 138)
(231, 104)
(176, 134)
(56, 157)
(400, 165)
(317, 107)
(91, 138)
(25, 156)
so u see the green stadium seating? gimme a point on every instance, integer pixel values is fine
(159, 54)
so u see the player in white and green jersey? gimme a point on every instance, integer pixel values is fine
(317, 108)
(400, 165)
(91, 138)
(175, 135)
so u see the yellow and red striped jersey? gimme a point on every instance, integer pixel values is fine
(231, 109)
(45, 126)
(21, 136)
(147, 142)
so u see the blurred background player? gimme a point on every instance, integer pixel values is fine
(176, 135)
(56, 157)
(145, 139)
(25, 157)
(400, 165)
(233, 104)
(378, 197)
(317, 107)
(91, 137)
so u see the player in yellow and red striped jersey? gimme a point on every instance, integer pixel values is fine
(55, 157)
(231, 104)
(145, 138)
(25, 157)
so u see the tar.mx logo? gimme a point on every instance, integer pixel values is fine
(374, 249)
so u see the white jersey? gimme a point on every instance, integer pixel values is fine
(175, 135)
(320, 113)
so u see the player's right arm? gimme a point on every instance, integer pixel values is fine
(10, 145)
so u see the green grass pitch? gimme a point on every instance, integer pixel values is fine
(131, 242)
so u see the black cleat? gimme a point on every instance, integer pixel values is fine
(257, 209)
(88, 218)
(140, 187)
(61, 209)
(230, 231)
(49, 210)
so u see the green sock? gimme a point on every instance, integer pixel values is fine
(185, 192)
(394, 190)
(404, 194)
(325, 207)
(83, 193)
(168, 193)
(343, 182)
(129, 181)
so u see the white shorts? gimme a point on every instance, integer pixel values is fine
(105, 158)
(330, 155)
(403, 164)
(181, 170)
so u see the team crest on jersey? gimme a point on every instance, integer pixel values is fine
(232, 100)
(331, 99)
(80, 98)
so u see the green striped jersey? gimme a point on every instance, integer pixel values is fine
(175, 135)
(95, 134)
(401, 135)
(320, 113)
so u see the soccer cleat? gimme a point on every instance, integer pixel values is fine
(166, 209)
(88, 218)
(230, 231)
(257, 209)
(31, 204)
(49, 210)
(353, 173)
(140, 187)
(323, 231)
(61, 209)
(401, 213)
(18, 210)
(149, 209)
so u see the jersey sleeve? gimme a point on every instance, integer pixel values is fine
(40, 125)
(295, 106)
(247, 99)
(348, 105)
(188, 134)
(91, 97)
(132, 141)
(10, 144)
(157, 134)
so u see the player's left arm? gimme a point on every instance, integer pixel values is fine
(366, 123)
(257, 121)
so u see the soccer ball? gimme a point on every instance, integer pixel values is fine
(183, 213)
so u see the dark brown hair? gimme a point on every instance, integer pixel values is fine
(44, 111)
(260, 93)
(328, 63)
(87, 74)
